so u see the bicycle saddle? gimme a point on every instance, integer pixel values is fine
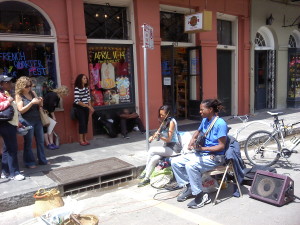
(275, 113)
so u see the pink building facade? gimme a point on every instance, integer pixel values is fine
(54, 41)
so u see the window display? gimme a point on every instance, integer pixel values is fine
(294, 78)
(35, 60)
(111, 79)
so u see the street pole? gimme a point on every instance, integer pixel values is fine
(148, 43)
(146, 97)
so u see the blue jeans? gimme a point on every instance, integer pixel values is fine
(37, 131)
(188, 169)
(10, 165)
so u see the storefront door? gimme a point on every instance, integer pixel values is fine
(167, 64)
(194, 82)
(264, 79)
(260, 79)
(224, 80)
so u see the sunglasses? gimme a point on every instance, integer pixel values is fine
(28, 86)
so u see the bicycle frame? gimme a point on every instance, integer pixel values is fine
(265, 147)
(278, 129)
(244, 119)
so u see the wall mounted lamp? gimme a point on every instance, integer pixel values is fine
(269, 20)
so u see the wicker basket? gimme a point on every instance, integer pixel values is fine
(77, 219)
(46, 200)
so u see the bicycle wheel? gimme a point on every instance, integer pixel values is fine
(261, 148)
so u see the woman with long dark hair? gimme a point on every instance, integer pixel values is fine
(167, 134)
(82, 103)
(189, 168)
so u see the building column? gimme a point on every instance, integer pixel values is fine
(148, 12)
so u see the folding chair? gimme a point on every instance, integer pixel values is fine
(224, 170)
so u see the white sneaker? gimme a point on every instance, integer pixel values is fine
(3, 176)
(18, 177)
(136, 129)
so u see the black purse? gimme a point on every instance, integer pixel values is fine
(7, 114)
(73, 113)
(200, 141)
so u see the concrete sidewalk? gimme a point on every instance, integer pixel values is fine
(16, 194)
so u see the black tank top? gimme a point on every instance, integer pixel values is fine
(33, 113)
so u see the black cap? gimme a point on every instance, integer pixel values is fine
(4, 78)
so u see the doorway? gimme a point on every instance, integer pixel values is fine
(182, 80)
(194, 82)
(264, 79)
(224, 71)
(167, 65)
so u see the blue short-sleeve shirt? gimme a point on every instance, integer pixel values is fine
(219, 130)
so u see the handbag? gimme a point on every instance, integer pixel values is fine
(160, 177)
(7, 114)
(73, 113)
(44, 117)
(178, 146)
(46, 200)
(200, 141)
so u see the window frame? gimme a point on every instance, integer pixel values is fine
(51, 38)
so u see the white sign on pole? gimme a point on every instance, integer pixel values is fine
(148, 36)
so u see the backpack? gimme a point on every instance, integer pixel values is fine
(178, 146)
(109, 127)
(249, 173)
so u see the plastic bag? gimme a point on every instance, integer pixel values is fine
(58, 215)
(209, 183)
(160, 177)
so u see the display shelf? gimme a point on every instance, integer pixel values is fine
(181, 98)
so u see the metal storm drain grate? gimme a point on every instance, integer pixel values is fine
(98, 174)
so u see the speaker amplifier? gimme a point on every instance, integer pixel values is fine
(272, 188)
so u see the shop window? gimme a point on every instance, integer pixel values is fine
(35, 60)
(20, 18)
(106, 22)
(172, 27)
(259, 40)
(224, 32)
(110, 74)
(292, 42)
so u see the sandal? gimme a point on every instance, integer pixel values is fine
(83, 143)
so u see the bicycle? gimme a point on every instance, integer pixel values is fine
(265, 148)
(245, 120)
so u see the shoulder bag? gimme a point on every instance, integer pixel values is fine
(44, 117)
(7, 114)
(200, 141)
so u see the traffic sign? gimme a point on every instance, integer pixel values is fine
(148, 36)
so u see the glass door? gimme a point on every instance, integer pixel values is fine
(167, 65)
(194, 79)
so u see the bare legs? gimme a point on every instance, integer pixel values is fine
(83, 139)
